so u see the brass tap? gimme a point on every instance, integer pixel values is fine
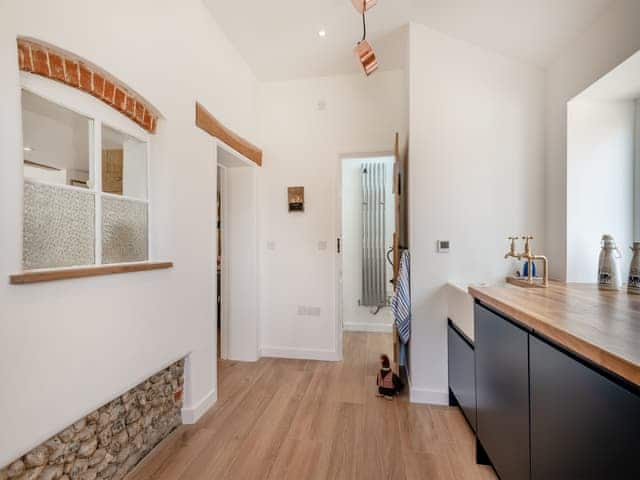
(545, 265)
(512, 250)
(530, 258)
(527, 248)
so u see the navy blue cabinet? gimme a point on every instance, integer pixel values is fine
(502, 393)
(543, 413)
(462, 380)
(583, 425)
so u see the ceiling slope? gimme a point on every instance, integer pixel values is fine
(279, 38)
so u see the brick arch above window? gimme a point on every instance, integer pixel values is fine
(55, 64)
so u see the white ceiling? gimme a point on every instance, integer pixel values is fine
(279, 38)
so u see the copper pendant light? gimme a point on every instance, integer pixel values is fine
(363, 5)
(367, 57)
(364, 50)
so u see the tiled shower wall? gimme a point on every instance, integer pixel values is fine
(109, 442)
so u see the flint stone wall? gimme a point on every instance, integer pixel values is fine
(108, 443)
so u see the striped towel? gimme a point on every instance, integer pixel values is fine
(401, 302)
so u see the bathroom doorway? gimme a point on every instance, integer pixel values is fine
(366, 250)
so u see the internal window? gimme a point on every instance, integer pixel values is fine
(83, 205)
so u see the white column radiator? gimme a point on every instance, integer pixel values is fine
(374, 273)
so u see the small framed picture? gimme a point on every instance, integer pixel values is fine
(296, 199)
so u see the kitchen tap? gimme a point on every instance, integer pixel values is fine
(530, 258)
(512, 250)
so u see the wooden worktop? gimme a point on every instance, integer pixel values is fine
(601, 326)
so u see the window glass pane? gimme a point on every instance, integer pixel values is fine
(56, 143)
(124, 164)
(59, 226)
(124, 230)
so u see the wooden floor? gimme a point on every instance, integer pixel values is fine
(293, 419)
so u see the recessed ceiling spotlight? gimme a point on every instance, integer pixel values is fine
(28, 149)
(322, 33)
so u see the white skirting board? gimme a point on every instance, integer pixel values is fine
(191, 415)
(431, 397)
(423, 395)
(368, 327)
(301, 354)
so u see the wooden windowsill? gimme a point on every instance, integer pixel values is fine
(38, 276)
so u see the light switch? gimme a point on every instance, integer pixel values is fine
(322, 245)
(271, 245)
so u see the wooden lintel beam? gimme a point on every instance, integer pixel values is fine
(210, 124)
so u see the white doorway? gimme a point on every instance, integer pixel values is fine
(238, 251)
(366, 237)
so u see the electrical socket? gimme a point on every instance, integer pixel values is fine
(308, 311)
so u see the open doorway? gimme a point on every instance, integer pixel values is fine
(367, 226)
(219, 236)
(603, 170)
(237, 258)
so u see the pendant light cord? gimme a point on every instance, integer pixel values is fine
(364, 21)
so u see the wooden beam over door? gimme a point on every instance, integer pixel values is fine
(210, 124)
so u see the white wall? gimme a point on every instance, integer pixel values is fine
(302, 146)
(67, 347)
(476, 176)
(600, 172)
(609, 41)
(356, 317)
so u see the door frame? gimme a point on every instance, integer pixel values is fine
(224, 272)
(227, 310)
(338, 289)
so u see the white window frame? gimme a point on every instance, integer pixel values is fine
(100, 114)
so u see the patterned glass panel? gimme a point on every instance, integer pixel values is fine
(124, 230)
(59, 227)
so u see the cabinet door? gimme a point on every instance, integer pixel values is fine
(583, 425)
(462, 380)
(502, 392)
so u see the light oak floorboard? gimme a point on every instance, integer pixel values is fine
(279, 419)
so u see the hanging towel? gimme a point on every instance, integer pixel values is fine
(401, 305)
